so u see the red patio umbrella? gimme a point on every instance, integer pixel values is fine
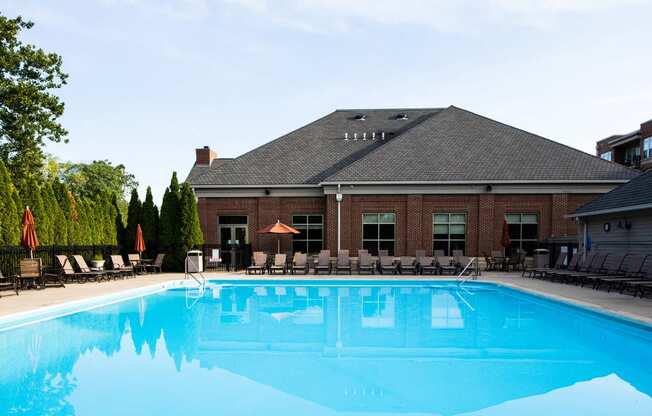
(140, 242)
(278, 228)
(28, 237)
(504, 239)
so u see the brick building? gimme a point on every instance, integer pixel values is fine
(401, 180)
(633, 149)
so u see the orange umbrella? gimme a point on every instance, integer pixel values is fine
(28, 237)
(140, 242)
(278, 228)
(504, 239)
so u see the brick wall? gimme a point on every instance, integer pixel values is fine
(484, 213)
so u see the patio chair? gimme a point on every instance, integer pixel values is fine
(592, 269)
(157, 266)
(30, 273)
(363, 251)
(466, 266)
(214, 261)
(643, 286)
(323, 262)
(134, 261)
(611, 267)
(489, 262)
(259, 263)
(438, 253)
(366, 264)
(67, 272)
(8, 282)
(427, 265)
(387, 264)
(300, 264)
(419, 253)
(343, 262)
(407, 265)
(95, 274)
(577, 264)
(118, 264)
(383, 253)
(280, 264)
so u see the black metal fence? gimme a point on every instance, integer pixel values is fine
(10, 256)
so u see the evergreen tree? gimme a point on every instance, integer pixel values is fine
(150, 223)
(190, 231)
(58, 231)
(134, 217)
(67, 229)
(119, 224)
(9, 215)
(169, 226)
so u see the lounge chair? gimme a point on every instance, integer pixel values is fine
(95, 274)
(629, 272)
(134, 261)
(363, 251)
(323, 262)
(8, 282)
(68, 273)
(637, 282)
(407, 265)
(577, 264)
(427, 265)
(611, 267)
(419, 253)
(366, 264)
(383, 253)
(643, 286)
(343, 262)
(541, 271)
(438, 253)
(300, 264)
(118, 264)
(593, 268)
(259, 263)
(280, 264)
(387, 264)
(157, 266)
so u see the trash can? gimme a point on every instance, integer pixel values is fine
(541, 258)
(194, 261)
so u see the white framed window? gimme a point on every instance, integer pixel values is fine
(378, 307)
(379, 232)
(310, 239)
(523, 231)
(448, 232)
(606, 155)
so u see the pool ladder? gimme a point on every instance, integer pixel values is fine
(462, 278)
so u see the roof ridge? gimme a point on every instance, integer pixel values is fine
(392, 109)
(545, 138)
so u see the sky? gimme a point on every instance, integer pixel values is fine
(152, 80)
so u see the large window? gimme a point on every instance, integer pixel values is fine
(378, 231)
(311, 237)
(523, 232)
(647, 148)
(632, 156)
(606, 156)
(448, 232)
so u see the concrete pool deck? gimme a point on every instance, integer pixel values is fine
(615, 303)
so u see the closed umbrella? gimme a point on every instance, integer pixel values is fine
(140, 241)
(28, 237)
(504, 239)
(278, 228)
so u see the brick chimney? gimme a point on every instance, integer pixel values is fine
(646, 129)
(205, 156)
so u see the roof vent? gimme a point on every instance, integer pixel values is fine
(360, 117)
(382, 135)
(355, 136)
(364, 136)
(373, 135)
(346, 136)
(401, 116)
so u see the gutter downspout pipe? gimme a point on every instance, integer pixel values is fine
(338, 198)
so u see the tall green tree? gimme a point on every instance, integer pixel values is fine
(65, 205)
(56, 220)
(120, 232)
(169, 226)
(190, 231)
(9, 214)
(134, 217)
(29, 110)
(150, 222)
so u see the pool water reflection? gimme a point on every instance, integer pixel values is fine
(316, 349)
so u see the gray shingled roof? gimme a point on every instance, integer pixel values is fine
(635, 193)
(433, 145)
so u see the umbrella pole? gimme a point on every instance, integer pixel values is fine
(278, 245)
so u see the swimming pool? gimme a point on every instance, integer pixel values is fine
(329, 348)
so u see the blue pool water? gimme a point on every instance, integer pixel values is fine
(327, 348)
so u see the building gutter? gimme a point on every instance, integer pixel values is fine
(483, 182)
(610, 211)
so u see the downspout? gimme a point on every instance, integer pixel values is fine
(585, 240)
(338, 198)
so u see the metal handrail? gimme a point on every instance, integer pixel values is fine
(461, 278)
